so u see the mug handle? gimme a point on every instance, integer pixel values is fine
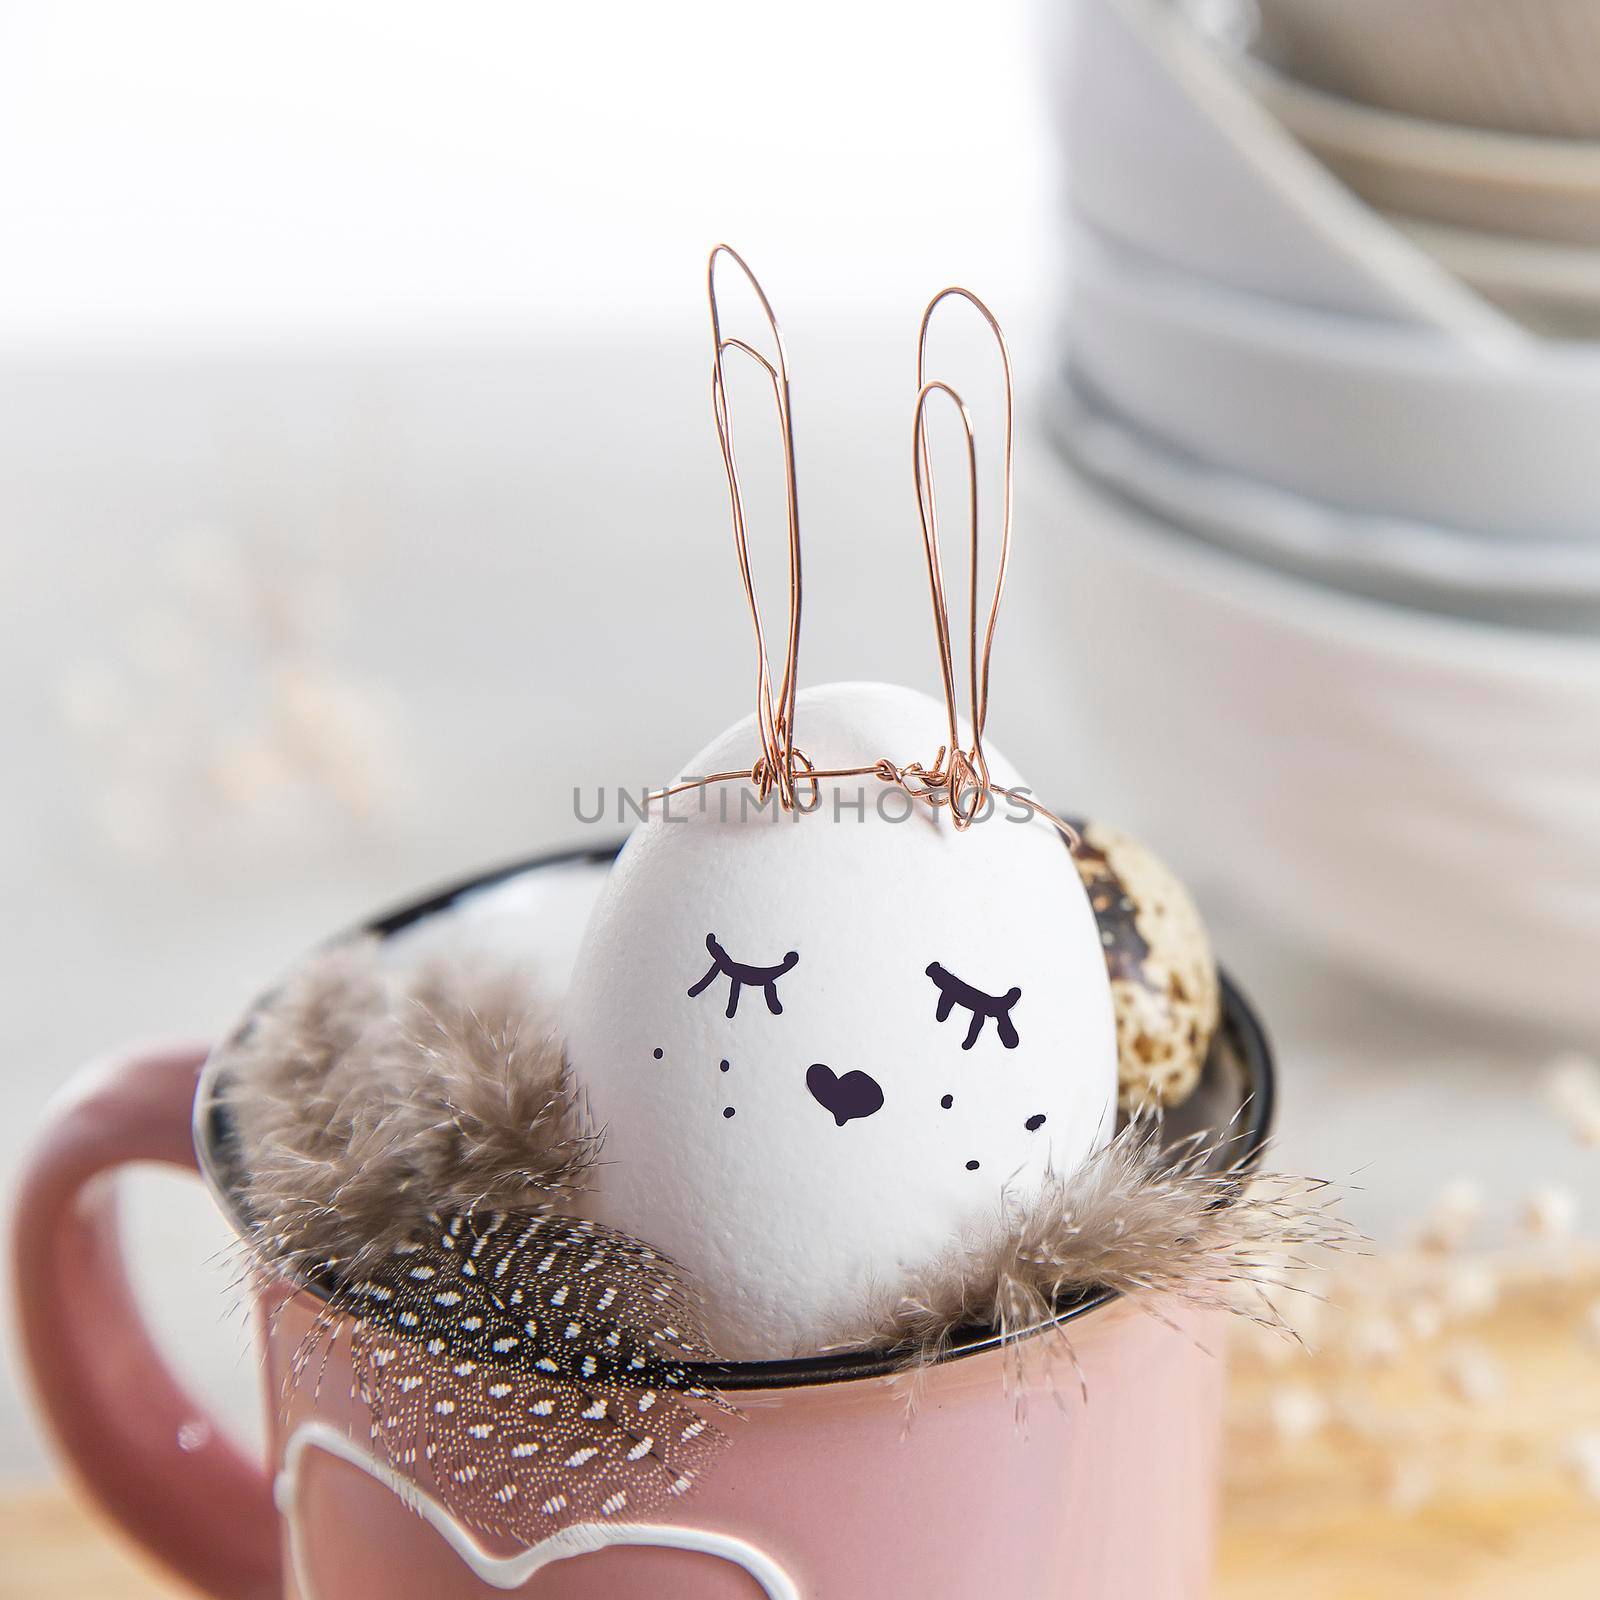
(144, 1451)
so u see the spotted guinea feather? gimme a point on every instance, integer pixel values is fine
(531, 1371)
(409, 1142)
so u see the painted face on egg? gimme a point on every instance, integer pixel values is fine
(826, 1047)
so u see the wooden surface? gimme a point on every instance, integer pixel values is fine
(1450, 1469)
(1443, 1470)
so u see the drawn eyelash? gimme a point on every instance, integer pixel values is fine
(953, 992)
(739, 974)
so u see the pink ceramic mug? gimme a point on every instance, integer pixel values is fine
(826, 1493)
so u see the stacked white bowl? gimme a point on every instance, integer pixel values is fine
(1331, 512)
(1474, 124)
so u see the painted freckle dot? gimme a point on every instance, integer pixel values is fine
(1034, 1123)
(727, 1111)
(972, 1166)
(658, 1052)
(947, 1101)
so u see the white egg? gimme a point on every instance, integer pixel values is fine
(776, 1019)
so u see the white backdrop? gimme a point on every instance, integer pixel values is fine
(197, 169)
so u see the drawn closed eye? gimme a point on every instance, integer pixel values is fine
(953, 992)
(740, 973)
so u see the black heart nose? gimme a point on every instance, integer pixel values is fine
(856, 1094)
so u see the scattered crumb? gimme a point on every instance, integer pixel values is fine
(221, 717)
(1376, 1341)
(1591, 1324)
(1410, 1487)
(1455, 1212)
(1471, 1289)
(1424, 1320)
(1473, 1375)
(1356, 1414)
(1550, 1213)
(1449, 1366)
(1298, 1412)
(1572, 1090)
(1582, 1453)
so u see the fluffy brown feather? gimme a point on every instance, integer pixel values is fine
(1157, 1224)
(366, 1099)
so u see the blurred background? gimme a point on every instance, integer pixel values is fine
(359, 501)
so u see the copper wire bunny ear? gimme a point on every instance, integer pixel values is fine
(959, 776)
(966, 772)
(776, 766)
